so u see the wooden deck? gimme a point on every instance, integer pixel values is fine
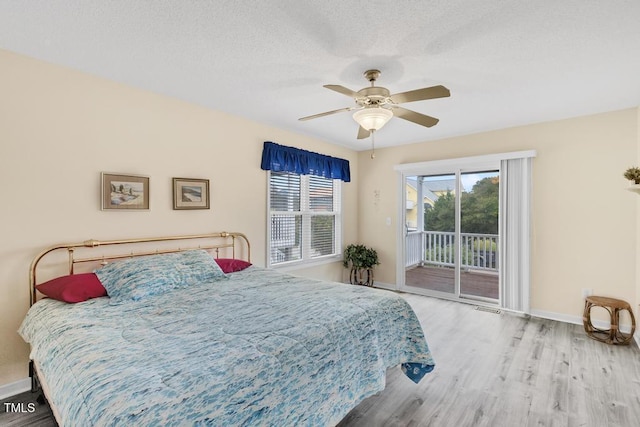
(476, 283)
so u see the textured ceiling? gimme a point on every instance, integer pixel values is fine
(506, 63)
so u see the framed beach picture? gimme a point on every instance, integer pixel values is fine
(124, 192)
(190, 193)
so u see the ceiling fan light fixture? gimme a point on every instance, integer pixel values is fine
(372, 118)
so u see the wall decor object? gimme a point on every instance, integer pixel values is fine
(190, 193)
(124, 192)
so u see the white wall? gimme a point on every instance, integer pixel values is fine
(60, 128)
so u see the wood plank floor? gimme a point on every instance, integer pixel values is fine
(492, 370)
(476, 283)
(499, 370)
(37, 415)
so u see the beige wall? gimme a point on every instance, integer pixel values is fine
(637, 257)
(60, 128)
(584, 221)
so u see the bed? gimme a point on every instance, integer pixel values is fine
(199, 336)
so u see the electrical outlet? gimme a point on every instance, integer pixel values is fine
(586, 292)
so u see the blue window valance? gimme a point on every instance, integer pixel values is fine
(281, 158)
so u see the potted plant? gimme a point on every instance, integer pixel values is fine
(633, 174)
(361, 260)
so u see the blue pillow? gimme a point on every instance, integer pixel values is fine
(139, 277)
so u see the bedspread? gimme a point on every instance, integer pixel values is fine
(261, 348)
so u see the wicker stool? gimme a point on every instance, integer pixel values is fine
(614, 307)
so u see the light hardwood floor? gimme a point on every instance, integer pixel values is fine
(492, 370)
(504, 370)
(30, 413)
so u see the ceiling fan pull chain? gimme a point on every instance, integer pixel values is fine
(373, 144)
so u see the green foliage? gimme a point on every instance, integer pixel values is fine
(359, 256)
(485, 245)
(481, 249)
(479, 209)
(448, 252)
(442, 216)
(633, 174)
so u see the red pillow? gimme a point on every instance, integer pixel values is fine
(73, 288)
(230, 265)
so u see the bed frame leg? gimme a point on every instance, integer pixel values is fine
(34, 379)
(35, 384)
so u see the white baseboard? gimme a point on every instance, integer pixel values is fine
(387, 286)
(11, 389)
(601, 324)
(578, 321)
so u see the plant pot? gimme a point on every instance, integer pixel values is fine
(361, 276)
(634, 187)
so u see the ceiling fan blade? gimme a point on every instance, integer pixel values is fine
(363, 133)
(421, 94)
(327, 113)
(343, 90)
(414, 117)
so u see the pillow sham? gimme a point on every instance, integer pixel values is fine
(73, 288)
(231, 265)
(137, 278)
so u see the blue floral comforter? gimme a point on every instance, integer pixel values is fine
(259, 348)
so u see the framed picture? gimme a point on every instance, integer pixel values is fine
(124, 192)
(190, 193)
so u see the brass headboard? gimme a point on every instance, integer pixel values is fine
(212, 241)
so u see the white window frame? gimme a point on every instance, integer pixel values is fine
(306, 214)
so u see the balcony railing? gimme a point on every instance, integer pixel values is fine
(478, 251)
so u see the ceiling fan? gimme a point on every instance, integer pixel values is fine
(375, 105)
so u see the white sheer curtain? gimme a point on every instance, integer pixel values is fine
(515, 233)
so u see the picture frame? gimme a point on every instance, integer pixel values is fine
(124, 192)
(190, 193)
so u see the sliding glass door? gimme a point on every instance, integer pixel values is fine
(451, 234)
(465, 228)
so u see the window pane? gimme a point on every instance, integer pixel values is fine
(304, 215)
(285, 192)
(322, 235)
(286, 231)
(480, 202)
(320, 194)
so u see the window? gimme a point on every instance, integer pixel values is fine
(304, 218)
